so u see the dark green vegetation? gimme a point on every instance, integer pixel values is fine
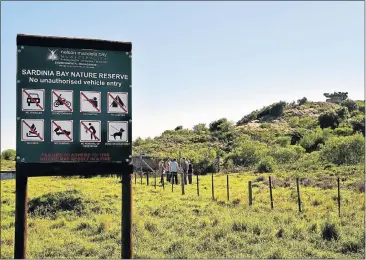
(298, 138)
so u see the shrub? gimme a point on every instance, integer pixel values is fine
(178, 128)
(349, 104)
(283, 141)
(330, 231)
(343, 131)
(348, 150)
(267, 164)
(312, 140)
(328, 119)
(247, 153)
(358, 124)
(8, 154)
(286, 155)
(302, 101)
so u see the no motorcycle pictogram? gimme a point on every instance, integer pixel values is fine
(62, 100)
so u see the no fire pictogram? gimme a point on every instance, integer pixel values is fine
(32, 130)
(32, 99)
(90, 131)
(62, 100)
(90, 101)
(118, 102)
(62, 130)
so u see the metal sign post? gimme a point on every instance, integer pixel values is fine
(74, 117)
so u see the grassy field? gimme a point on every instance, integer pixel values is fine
(80, 218)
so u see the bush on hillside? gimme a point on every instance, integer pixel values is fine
(358, 124)
(275, 110)
(286, 155)
(312, 140)
(343, 113)
(8, 154)
(348, 150)
(178, 128)
(343, 131)
(266, 164)
(328, 119)
(349, 104)
(248, 118)
(247, 153)
(302, 101)
(283, 141)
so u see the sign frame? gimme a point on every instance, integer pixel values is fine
(32, 168)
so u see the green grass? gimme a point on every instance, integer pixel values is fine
(7, 165)
(84, 220)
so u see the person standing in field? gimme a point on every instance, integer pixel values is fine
(167, 170)
(174, 171)
(190, 172)
(185, 169)
(161, 171)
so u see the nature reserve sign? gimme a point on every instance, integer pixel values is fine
(74, 116)
(73, 104)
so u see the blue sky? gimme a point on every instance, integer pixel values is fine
(198, 62)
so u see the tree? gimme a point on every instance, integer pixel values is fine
(350, 104)
(178, 128)
(200, 128)
(302, 101)
(8, 154)
(328, 119)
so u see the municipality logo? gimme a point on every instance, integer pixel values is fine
(52, 55)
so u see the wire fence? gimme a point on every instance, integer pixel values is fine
(159, 180)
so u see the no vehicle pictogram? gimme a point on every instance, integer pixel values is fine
(118, 102)
(32, 99)
(90, 101)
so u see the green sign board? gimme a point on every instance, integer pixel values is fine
(74, 102)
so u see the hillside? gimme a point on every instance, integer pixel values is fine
(295, 137)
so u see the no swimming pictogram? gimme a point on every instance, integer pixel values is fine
(118, 102)
(62, 131)
(90, 130)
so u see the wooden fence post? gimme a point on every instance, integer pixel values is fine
(270, 191)
(339, 198)
(155, 179)
(250, 193)
(212, 188)
(227, 187)
(298, 193)
(147, 177)
(198, 187)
